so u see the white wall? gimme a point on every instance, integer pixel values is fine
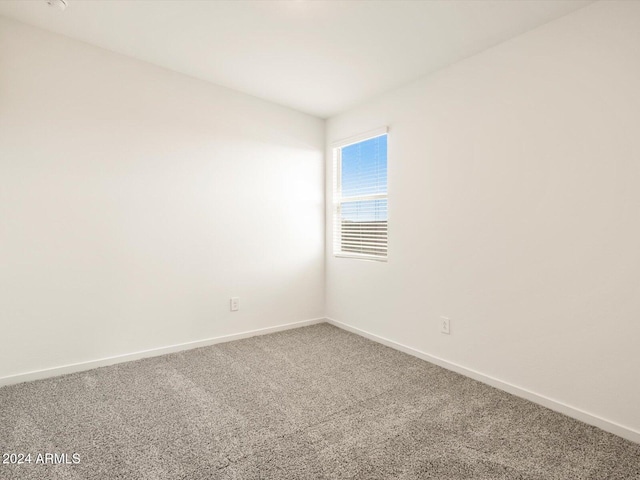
(514, 209)
(134, 202)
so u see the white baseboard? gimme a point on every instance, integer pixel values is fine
(154, 352)
(573, 412)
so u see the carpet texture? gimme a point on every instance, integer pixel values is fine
(310, 403)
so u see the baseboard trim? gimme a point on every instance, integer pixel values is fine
(573, 412)
(154, 352)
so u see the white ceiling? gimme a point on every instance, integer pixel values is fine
(320, 57)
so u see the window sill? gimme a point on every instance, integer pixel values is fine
(361, 256)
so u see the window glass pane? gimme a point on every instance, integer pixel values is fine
(364, 167)
(364, 211)
(361, 224)
(363, 227)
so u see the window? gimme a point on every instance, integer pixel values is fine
(360, 196)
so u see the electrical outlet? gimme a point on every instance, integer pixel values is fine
(235, 304)
(445, 325)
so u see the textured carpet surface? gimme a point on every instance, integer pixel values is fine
(310, 403)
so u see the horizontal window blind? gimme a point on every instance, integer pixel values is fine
(360, 198)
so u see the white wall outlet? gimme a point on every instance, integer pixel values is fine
(445, 325)
(235, 304)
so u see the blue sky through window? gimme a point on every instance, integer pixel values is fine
(364, 172)
(364, 167)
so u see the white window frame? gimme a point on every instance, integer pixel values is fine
(338, 199)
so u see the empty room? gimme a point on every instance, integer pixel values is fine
(319, 239)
